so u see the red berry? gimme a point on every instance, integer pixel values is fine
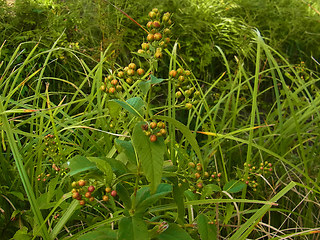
(153, 125)
(75, 195)
(144, 127)
(153, 138)
(81, 183)
(200, 185)
(87, 194)
(82, 202)
(114, 193)
(112, 90)
(114, 82)
(156, 24)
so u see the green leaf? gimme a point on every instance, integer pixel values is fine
(132, 228)
(102, 233)
(174, 232)
(190, 137)
(151, 155)
(103, 166)
(178, 196)
(124, 195)
(147, 200)
(118, 168)
(207, 231)
(22, 234)
(145, 85)
(155, 80)
(209, 189)
(114, 109)
(79, 164)
(234, 186)
(133, 105)
(127, 148)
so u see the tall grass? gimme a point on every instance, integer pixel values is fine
(243, 117)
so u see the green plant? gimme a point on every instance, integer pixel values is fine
(140, 163)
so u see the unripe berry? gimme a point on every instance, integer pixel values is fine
(150, 37)
(191, 164)
(132, 66)
(105, 198)
(130, 72)
(173, 73)
(120, 74)
(188, 106)
(140, 71)
(157, 36)
(108, 189)
(114, 82)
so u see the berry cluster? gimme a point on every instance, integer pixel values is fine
(196, 173)
(254, 173)
(43, 177)
(79, 190)
(129, 74)
(109, 192)
(158, 34)
(185, 91)
(154, 130)
(111, 85)
(51, 148)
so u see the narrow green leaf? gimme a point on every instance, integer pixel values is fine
(250, 224)
(187, 134)
(65, 217)
(207, 231)
(151, 155)
(234, 186)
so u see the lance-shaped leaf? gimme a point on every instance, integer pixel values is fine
(151, 155)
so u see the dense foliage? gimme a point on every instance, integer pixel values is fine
(196, 120)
